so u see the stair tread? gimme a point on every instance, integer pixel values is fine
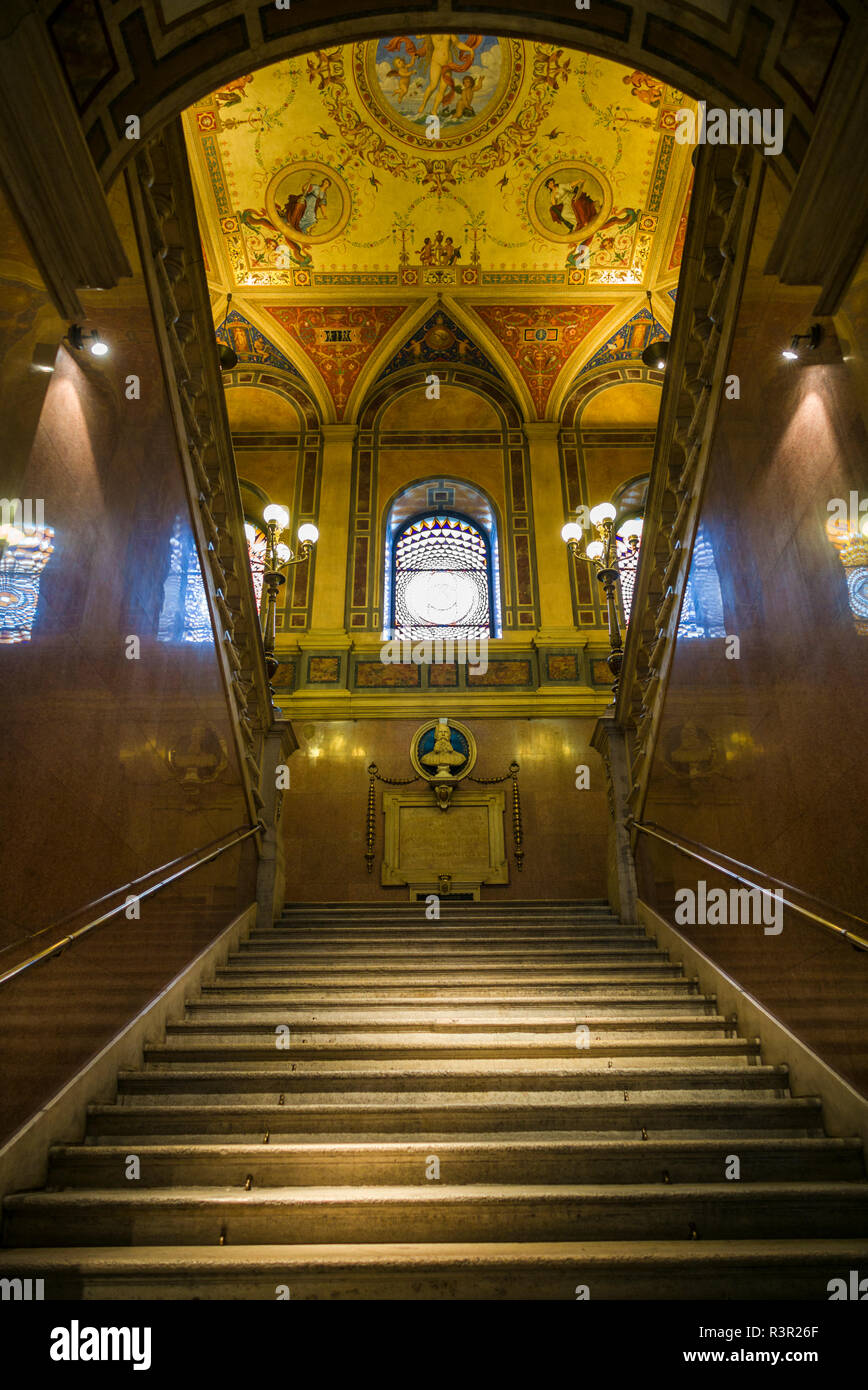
(455, 1039)
(588, 1253)
(482, 1144)
(435, 1191)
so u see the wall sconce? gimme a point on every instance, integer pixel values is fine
(603, 555)
(279, 557)
(79, 338)
(812, 341)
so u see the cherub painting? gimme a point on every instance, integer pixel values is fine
(439, 251)
(403, 71)
(276, 248)
(232, 93)
(454, 76)
(464, 105)
(644, 88)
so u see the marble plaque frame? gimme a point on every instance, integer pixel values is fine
(472, 816)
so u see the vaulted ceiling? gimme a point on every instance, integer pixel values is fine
(530, 193)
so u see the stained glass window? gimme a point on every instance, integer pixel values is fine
(22, 561)
(441, 580)
(184, 616)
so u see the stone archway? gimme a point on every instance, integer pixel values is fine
(754, 53)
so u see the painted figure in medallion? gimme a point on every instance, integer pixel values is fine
(442, 55)
(303, 210)
(582, 205)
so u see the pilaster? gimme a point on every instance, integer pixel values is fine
(548, 513)
(329, 596)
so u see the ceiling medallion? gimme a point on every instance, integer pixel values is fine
(569, 201)
(309, 201)
(469, 81)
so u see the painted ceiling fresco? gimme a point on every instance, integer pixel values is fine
(438, 160)
(540, 188)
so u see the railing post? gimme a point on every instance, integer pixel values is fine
(278, 745)
(611, 742)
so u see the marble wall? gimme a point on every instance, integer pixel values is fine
(762, 752)
(324, 809)
(117, 753)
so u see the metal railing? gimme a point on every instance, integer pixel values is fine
(692, 849)
(201, 857)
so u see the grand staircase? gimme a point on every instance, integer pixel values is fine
(368, 1104)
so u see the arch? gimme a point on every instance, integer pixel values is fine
(385, 392)
(623, 404)
(253, 409)
(282, 384)
(155, 67)
(601, 379)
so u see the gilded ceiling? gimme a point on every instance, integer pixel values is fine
(519, 182)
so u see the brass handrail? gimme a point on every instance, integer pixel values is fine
(201, 858)
(683, 843)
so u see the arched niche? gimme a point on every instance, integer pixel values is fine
(401, 441)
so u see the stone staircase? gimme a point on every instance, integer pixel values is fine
(435, 1129)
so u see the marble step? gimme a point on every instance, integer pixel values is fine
(788, 1270)
(359, 1082)
(438, 1212)
(221, 1044)
(239, 1019)
(305, 975)
(461, 988)
(435, 953)
(486, 1158)
(672, 994)
(680, 1011)
(659, 1114)
(438, 931)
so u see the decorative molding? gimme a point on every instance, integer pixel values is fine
(726, 194)
(824, 229)
(739, 53)
(49, 174)
(162, 202)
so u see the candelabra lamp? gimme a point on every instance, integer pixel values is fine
(278, 559)
(605, 555)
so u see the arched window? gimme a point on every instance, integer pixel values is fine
(442, 579)
(441, 564)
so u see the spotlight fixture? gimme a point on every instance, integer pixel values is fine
(80, 338)
(656, 353)
(228, 355)
(811, 339)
